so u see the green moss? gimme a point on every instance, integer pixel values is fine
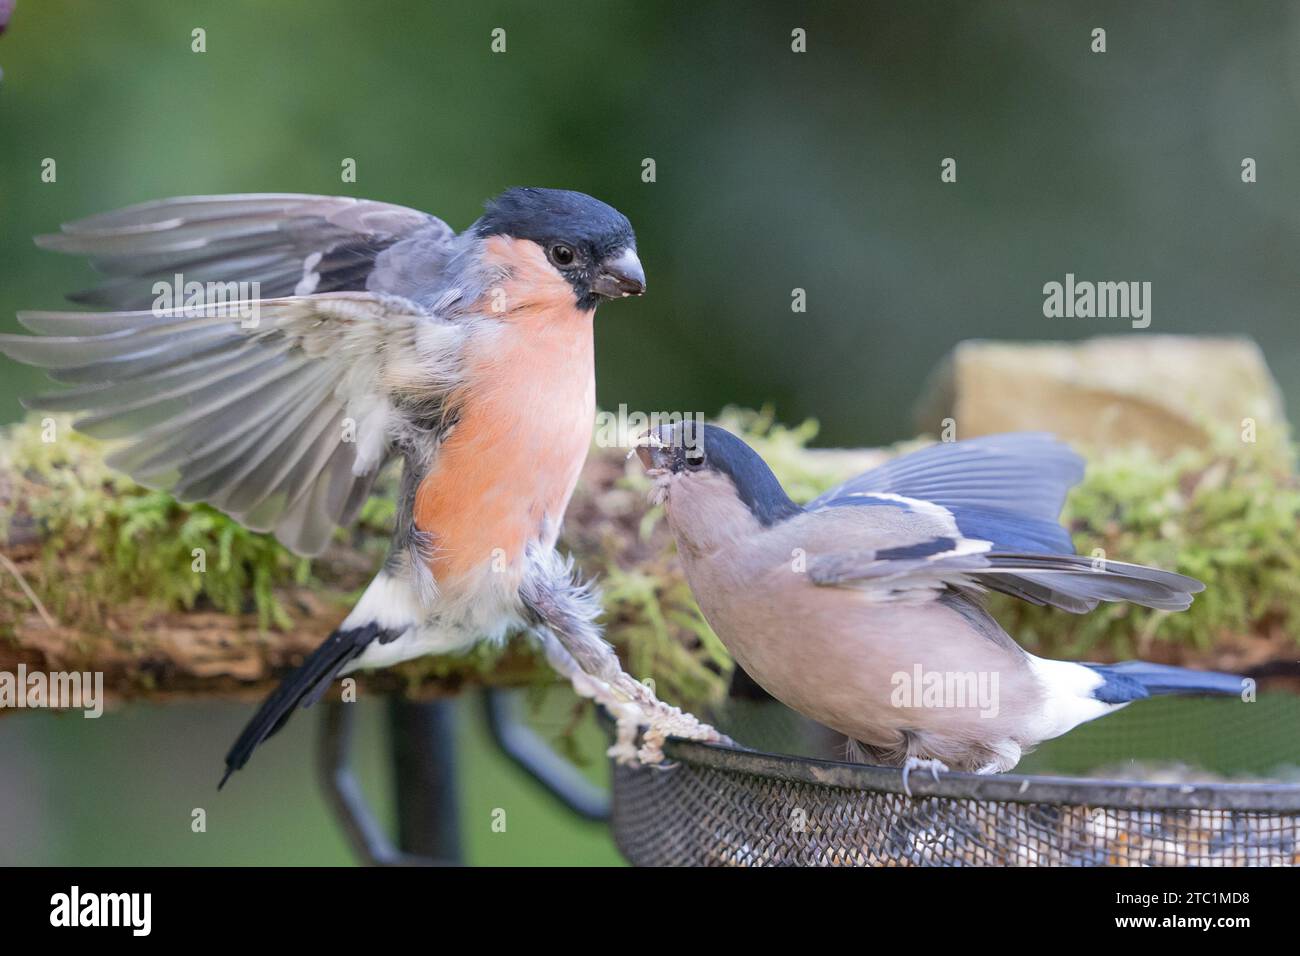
(120, 540)
(664, 635)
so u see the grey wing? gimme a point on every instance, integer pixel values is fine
(1078, 584)
(288, 244)
(1007, 489)
(928, 569)
(910, 573)
(279, 412)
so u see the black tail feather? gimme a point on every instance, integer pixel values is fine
(304, 686)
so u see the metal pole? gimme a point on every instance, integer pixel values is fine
(424, 767)
(530, 751)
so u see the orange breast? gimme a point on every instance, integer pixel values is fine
(504, 476)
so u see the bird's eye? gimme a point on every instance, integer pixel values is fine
(694, 458)
(562, 255)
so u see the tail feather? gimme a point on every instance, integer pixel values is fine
(304, 686)
(1134, 680)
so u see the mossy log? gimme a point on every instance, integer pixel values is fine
(54, 617)
(99, 574)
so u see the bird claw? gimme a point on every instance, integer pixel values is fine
(623, 751)
(660, 721)
(631, 703)
(917, 763)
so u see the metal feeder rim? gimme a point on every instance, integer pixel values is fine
(1014, 788)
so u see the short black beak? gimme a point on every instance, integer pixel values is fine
(619, 276)
(654, 453)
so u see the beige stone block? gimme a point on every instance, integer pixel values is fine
(1167, 391)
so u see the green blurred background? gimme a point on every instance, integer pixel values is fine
(775, 170)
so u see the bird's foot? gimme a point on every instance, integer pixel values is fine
(660, 720)
(631, 703)
(917, 763)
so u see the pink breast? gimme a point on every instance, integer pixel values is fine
(505, 474)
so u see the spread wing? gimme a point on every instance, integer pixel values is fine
(1007, 489)
(279, 412)
(999, 498)
(287, 243)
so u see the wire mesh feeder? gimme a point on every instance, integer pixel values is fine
(721, 807)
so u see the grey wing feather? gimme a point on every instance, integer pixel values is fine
(1025, 472)
(1007, 489)
(1069, 582)
(922, 574)
(289, 244)
(283, 424)
(1078, 584)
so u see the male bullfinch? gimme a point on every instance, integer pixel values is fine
(841, 608)
(373, 332)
